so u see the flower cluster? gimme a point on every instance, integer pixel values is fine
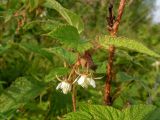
(83, 80)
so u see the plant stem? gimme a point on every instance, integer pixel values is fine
(107, 97)
(117, 22)
(74, 97)
(72, 74)
(113, 28)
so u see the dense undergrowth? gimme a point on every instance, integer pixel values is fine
(44, 46)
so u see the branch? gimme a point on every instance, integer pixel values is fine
(113, 28)
(117, 22)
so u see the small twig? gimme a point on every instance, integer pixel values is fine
(117, 22)
(74, 97)
(73, 86)
(72, 72)
(58, 78)
(113, 28)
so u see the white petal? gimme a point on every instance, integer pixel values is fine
(63, 84)
(92, 82)
(58, 86)
(65, 91)
(81, 80)
(85, 84)
(66, 87)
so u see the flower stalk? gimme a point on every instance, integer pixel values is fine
(74, 97)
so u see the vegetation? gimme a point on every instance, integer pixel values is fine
(55, 58)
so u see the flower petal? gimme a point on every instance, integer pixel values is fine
(58, 86)
(81, 80)
(92, 82)
(64, 90)
(64, 86)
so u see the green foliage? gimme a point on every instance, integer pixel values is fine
(126, 43)
(61, 104)
(63, 54)
(36, 49)
(33, 4)
(66, 34)
(41, 39)
(59, 71)
(138, 112)
(3, 49)
(70, 37)
(97, 112)
(18, 94)
(69, 16)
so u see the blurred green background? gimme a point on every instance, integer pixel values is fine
(137, 78)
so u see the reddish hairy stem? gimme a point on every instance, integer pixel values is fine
(117, 22)
(73, 86)
(74, 98)
(113, 32)
(107, 97)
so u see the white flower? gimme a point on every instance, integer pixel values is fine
(65, 86)
(156, 64)
(85, 81)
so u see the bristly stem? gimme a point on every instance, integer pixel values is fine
(74, 98)
(72, 74)
(119, 16)
(107, 96)
(113, 28)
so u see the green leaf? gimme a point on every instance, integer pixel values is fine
(59, 71)
(36, 49)
(33, 4)
(83, 45)
(78, 116)
(50, 25)
(153, 115)
(98, 112)
(69, 16)
(66, 34)
(101, 67)
(18, 94)
(138, 112)
(3, 49)
(122, 76)
(13, 4)
(8, 15)
(126, 43)
(63, 54)
(109, 113)
(45, 25)
(61, 103)
(70, 37)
